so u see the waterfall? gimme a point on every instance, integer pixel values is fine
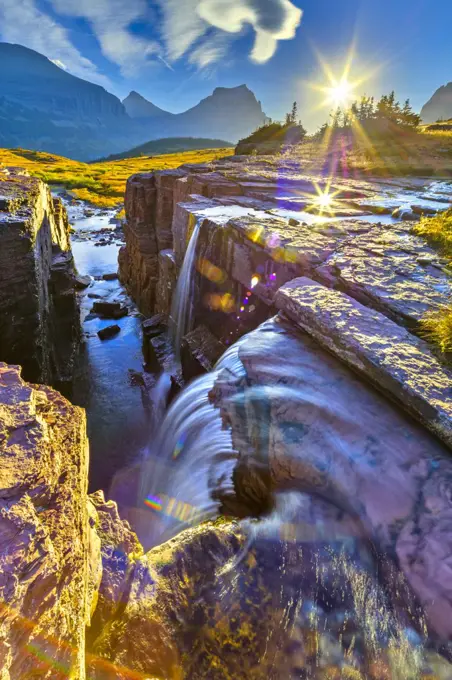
(191, 455)
(182, 306)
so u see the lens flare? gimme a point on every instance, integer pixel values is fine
(254, 281)
(153, 502)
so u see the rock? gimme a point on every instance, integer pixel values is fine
(200, 350)
(119, 548)
(110, 277)
(293, 223)
(330, 434)
(166, 282)
(82, 282)
(154, 326)
(94, 296)
(423, 210)
(406, 214)
(41, 323)
(44, 532)
(110, 310)
(109, 332)
(342, 620)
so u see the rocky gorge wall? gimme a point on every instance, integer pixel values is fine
(39, 321)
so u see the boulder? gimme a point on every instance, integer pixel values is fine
(200, 350)
(110, 277)
(82, 282)
(109, 332)
(109, 310)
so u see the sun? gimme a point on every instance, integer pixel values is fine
(340, 93)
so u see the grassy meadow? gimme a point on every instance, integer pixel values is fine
(101, 184)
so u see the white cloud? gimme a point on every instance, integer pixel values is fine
(111, 20)
(22, 22)
(184, 25)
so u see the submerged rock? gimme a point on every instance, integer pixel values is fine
(109, 332)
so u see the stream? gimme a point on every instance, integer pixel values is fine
(117, 412)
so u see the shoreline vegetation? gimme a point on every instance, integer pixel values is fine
(101, 184)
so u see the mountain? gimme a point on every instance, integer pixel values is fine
(45, 108)
(228, 113)
(169, 145)
(439, 107)
(138, 107)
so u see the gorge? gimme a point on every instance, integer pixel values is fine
(293, 501)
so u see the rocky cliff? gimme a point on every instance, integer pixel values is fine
(39, 324)
(439, 107)
(63, 556)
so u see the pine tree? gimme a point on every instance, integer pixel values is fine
(294, 114)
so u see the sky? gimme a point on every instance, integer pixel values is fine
(175, 52)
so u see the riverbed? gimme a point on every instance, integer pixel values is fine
(105, 382)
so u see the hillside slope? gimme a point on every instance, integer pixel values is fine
(169, 145)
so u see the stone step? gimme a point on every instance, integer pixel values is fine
(401, 365)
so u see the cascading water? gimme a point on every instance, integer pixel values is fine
(303, 429)
(182, 306)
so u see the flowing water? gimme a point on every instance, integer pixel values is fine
(283, 432)
(182, 307)
(117, 410)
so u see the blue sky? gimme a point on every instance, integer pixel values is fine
(176, 51)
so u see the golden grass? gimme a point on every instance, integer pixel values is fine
(437, 327)
(102, 184)
(405, 153)
(438, 230)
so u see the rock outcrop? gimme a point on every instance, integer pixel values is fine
(39, 324)
(64, 557)
(49, 566)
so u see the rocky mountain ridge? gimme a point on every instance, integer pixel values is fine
(43, 107)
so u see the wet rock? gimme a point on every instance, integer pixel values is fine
(94, 296)
(423, 210)
(301, 420)
(41, 327)
(109, 332)
(110, 310)
(166, 282)
(200, 350)
(406, 214)
(110, 277)
(292, 605)
(154, 326)
(82, 282)
(119, 549)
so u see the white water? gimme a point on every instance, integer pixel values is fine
(182, 306)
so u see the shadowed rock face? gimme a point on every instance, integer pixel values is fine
(439, 107)
(39, 324)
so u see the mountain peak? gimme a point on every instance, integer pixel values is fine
(439, 105)
(138, 106)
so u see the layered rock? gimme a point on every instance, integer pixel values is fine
(39, 325)
(47, 580)
(64, 556)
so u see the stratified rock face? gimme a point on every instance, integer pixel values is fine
(439, 107)
(260, 228)
(47, 582)
(39, 323)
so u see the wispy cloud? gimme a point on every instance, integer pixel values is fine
(111, 21)
(185, 24)
(200, 30)
(23, 23)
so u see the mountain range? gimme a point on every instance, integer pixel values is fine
(45, 108)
